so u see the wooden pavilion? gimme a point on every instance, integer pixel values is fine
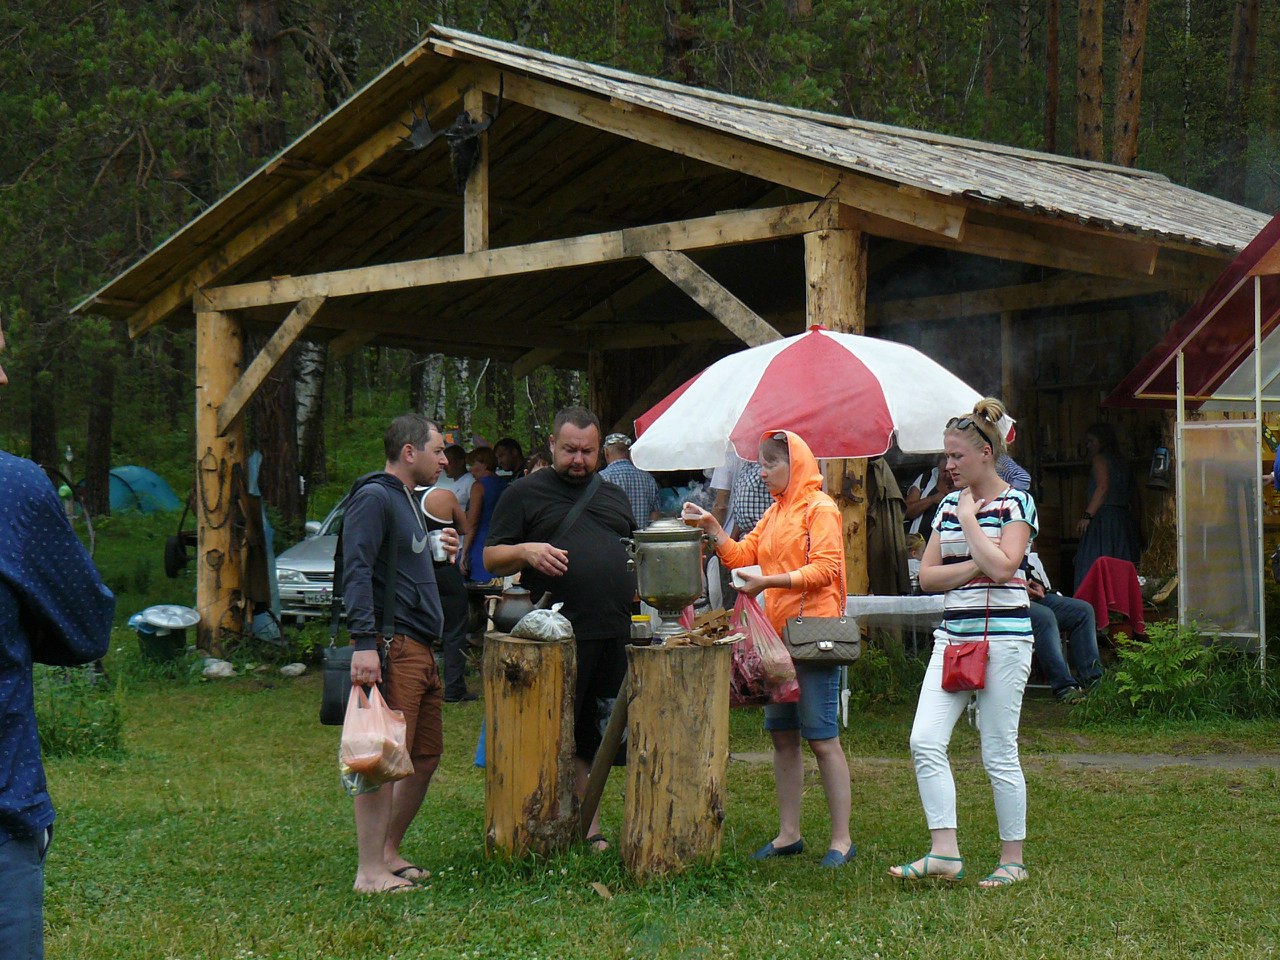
(637, 229)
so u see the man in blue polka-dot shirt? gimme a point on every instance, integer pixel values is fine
(53, 609)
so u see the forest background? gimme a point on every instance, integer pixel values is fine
(125, 119)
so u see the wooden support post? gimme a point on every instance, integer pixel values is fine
(1008, 359)
(598, 388)
(219, 558)
(677, 757)
(475, 206)
(529, 805)
(836, 281)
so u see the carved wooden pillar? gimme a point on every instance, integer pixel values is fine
(220, 547)
(835, 263)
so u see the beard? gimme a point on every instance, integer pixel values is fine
(574, 480)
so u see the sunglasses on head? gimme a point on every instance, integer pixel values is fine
(964, 423)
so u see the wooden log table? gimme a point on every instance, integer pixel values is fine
(529, 806)
(677, 756)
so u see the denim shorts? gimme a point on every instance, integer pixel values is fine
(815, 715)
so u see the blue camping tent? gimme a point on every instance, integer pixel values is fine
(137, 488)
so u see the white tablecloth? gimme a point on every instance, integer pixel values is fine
(914, 611)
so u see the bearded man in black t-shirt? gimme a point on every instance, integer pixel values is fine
(585, 569)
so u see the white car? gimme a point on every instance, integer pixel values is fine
(304, 572)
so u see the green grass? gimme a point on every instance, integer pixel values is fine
(221, 832)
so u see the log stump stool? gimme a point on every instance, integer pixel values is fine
(677, 755)
(529, 806)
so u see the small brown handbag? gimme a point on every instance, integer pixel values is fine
(822, 641)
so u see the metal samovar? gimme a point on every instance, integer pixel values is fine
(667, 558)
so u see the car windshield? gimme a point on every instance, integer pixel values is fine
(329, 528)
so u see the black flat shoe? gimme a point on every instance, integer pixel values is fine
(465, 698)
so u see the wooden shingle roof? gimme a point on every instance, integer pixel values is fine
(1134, 201)
(581, 148)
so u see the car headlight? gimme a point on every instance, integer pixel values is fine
(289, 575)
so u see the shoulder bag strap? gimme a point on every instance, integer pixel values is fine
(388, 577)
(808, 540)
(577, 509)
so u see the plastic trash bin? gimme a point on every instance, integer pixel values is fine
(162, 633)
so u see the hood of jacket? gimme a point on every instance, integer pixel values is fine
(806, 478)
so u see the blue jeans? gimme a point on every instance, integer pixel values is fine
(1056, 616)
(22, 903)
(818, 709)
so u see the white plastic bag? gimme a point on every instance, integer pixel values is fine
(545, 625)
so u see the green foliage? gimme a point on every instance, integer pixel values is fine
(78, 712)
(884, 674)
(1177, 674)
(146, 865)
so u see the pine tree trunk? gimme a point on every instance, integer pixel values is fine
(44, 415)
(679, 33)
(274, 431)
(273, 409)
(348, 386)
(263, 74)
(97, 465)
(1089, 86)
(1133, 29)
(1232, 166)
(1053, 14)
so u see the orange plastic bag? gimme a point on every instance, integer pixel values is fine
(762, 670)
(373, 740)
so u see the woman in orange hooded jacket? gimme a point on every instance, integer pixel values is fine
(800, 551)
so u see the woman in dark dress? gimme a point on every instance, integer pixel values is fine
(1106, 528)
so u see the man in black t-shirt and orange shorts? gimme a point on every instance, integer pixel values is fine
(586, 570)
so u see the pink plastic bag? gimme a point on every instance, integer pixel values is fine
(374, 739)
(762, 670)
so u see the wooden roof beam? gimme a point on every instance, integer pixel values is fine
(531, 361)
(266, 361)
(723, 229)
(915, 208)
(1060, 291)
(1048, 246)
(236, 250)
(739, 319)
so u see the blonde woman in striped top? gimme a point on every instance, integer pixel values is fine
(984, 529)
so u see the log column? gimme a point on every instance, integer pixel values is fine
(219, 551)
(529, 804)
(835, 264)
(677, 755)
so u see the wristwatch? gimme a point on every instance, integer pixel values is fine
(1087, 516)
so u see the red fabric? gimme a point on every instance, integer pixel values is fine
(1111, 586)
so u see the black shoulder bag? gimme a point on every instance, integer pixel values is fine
(337, 660)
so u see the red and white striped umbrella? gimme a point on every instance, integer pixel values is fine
(846, 395)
